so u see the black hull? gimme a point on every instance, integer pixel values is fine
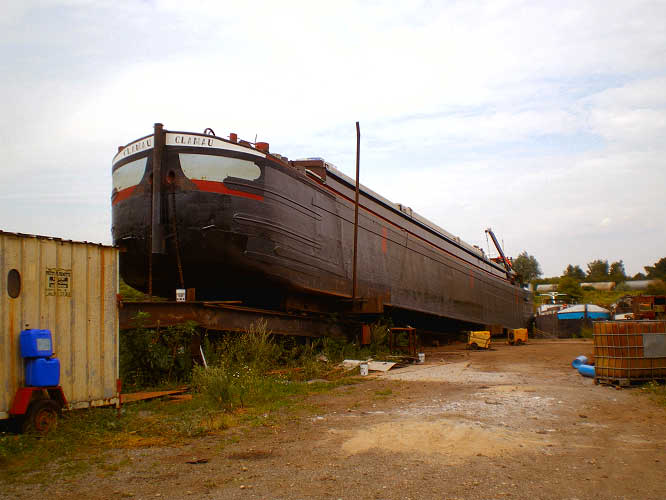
(286, 236)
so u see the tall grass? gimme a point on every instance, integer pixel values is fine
(252, 368)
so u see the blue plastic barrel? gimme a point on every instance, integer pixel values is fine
(586, 370)
(580, 360)
(42, 372)
(36, 343)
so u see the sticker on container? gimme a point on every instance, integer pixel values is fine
(59, 282)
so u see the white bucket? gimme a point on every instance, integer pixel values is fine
(364, 369)
(180, 295)
(421, 358)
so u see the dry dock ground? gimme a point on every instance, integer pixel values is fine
(513, 422)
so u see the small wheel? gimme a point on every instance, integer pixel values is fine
(474, 346)
(42, 416)
(519, 341)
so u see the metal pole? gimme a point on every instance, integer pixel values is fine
(156, 240)
(358, 155)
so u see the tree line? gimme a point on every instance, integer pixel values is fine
(528, 270)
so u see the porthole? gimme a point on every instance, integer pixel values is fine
(13, 283)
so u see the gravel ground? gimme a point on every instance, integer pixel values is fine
(512, 422)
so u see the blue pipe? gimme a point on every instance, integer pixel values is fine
(586, 370)
(580, 360)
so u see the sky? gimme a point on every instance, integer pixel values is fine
(545, 120)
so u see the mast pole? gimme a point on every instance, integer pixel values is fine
(156, 215)
(156, 230)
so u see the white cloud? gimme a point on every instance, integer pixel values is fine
(631, 116)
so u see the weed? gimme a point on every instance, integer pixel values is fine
(657, 392)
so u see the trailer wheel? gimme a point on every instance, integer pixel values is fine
(42, 416)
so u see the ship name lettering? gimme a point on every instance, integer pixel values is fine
(193, 141)
(137, 146)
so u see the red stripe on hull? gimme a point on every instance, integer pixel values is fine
(123, 195)
(220, 188)
(208, 186)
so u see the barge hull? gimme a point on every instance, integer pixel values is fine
(280, 234)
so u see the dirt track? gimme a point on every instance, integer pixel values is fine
(514, 422)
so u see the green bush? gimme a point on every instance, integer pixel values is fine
(658, 288)
(154, 356)
(336, 349)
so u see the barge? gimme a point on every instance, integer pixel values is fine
(237, 222)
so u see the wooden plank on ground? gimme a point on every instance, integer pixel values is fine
(141, 396)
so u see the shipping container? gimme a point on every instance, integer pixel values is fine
(69, 288)
(630, 351)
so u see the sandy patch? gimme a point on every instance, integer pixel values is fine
(444, 439)
(461, 373)
(510, 407)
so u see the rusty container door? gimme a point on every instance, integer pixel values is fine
(630, 350)
(69, 288)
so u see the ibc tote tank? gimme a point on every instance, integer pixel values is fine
(630, 351)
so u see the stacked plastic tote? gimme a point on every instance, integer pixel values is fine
(41, 368)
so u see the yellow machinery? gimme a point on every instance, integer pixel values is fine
(478, 340)
(517, 336)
